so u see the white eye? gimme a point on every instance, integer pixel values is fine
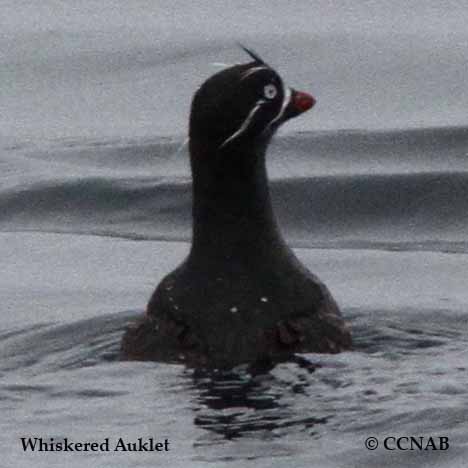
(270, 91)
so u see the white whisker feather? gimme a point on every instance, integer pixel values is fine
(245, 124)
(253, 70)
(221, 64)
(287, 96)
(183, 145)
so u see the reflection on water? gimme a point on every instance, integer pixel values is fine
(243, 401)
(403, 362)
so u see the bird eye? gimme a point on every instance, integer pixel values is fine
(270, 91)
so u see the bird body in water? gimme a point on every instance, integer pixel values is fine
(241, 296)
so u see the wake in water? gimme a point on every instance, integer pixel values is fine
(398, 355)
(59, 344)
(397, 190)
(50, 347)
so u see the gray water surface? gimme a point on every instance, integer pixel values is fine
(370, 188)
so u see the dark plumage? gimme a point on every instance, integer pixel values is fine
(241, 295)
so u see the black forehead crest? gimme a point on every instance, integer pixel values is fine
(253, 54)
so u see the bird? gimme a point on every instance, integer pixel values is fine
(241, 295)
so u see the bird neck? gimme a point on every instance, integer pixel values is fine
(232, 211)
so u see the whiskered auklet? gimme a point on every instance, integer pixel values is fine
(241, 295)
